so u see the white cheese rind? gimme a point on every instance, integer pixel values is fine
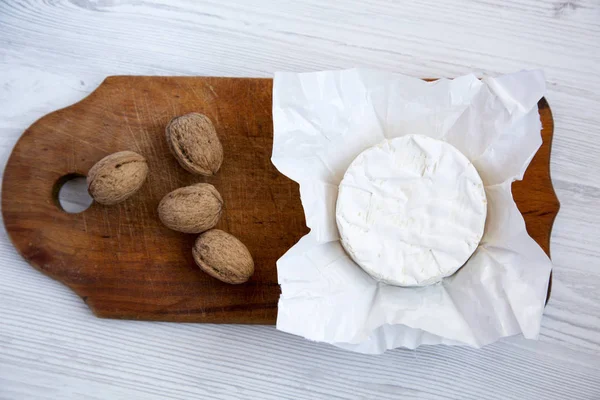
(411, 210)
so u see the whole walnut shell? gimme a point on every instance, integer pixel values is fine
(194, 142)
(191, 209)
(116, 177)
(223, 256)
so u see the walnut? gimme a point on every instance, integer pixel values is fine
(191, 209)
(194, 142)
(223, 256)
(117, 177)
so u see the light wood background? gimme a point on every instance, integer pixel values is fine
(53, 53)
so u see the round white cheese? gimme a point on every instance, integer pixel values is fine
(411, 210)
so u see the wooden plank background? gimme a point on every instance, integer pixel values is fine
(53, 53)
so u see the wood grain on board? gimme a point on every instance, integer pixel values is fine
(121, 260)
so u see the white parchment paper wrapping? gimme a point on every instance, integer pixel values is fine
(322, 121)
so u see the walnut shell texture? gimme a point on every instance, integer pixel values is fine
(117, 177)
(223, 256)
(193, 141)
(191, 209)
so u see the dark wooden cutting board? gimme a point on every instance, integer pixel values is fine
(120, 259)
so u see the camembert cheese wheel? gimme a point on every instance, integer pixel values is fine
(411, 210)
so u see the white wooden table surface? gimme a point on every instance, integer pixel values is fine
(55, 52)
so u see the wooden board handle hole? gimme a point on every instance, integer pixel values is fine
(70, 194)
